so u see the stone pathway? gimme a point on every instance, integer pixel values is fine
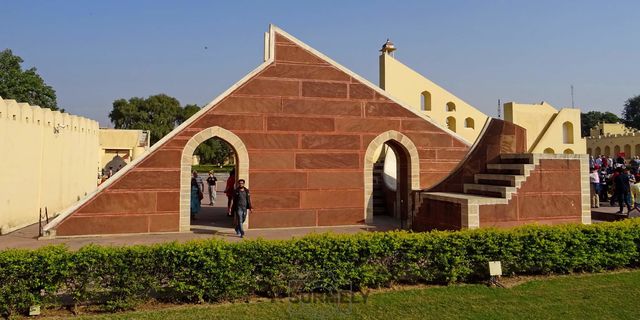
(606, 212)
(211, 222)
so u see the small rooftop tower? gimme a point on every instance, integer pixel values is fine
(388, 48)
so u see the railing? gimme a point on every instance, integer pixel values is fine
(46, 218)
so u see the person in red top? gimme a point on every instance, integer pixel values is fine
(229, 190)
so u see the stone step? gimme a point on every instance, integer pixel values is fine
(463, 198)
(509, 168)
(488, 190)
(508, 180)
(525, 158)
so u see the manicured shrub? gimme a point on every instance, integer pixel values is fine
(118, 278)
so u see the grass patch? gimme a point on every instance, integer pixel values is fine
(602, 296)
(204, 168)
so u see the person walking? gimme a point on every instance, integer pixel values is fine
(594, 178)
(622, 185)
(228, 190)
(241, 206)
(196, 194)
(635, 192)
(211, 185)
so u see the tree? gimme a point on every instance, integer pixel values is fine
(188, 111)
(631, 112)
(24, 85)
(158, 114)
(591, 118)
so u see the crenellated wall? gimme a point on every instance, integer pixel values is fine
(613, 139)
(50, 160)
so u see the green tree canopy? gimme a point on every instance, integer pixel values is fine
(188, 111)
(591, 118)
(631, 112)
(158, 114)
(24, 85)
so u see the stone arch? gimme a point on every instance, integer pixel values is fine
(549, 150)
(425, 101)
(469, 123)
(403, 144)
(568, 151)
(616, 151)
(451, 123)
(451, 107)
(599, 151)
(637, 150)
(567, 132)
(242, 166)
(627, 151)
(607, 151)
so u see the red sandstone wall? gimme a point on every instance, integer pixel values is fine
(550, 195)
(306, 125)
(437, 215)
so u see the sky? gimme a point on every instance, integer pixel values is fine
(94, 52)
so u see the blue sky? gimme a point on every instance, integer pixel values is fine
(93, 52)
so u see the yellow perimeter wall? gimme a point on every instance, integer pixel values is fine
(548, 130)
(423, 95)
(39, 167)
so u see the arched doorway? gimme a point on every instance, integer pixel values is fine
(607, 151)
(241, 159)
(401, 157)
(598, 152)
(627, 151)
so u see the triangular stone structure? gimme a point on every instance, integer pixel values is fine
(305, 130)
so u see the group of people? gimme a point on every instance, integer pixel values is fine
(238, 198)
(615, 180)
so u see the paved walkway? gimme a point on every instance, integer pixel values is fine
(607, 212)
(211, 222)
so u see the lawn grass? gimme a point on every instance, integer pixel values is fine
(596, 296)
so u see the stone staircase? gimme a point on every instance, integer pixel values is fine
(501, 180)
(495, 185)
(379, 202)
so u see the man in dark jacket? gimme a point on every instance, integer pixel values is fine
(241, 206)
(623, 189)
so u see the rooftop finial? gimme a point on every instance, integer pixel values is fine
(388, 48)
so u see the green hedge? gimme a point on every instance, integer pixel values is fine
(117, 278)
(204, 168)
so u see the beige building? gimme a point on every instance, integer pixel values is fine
(52, 160)
(548, 130)
(612, 139)
(429, 98)
(119, 147)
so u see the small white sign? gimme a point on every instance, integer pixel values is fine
(495, 268)
(34, 310)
